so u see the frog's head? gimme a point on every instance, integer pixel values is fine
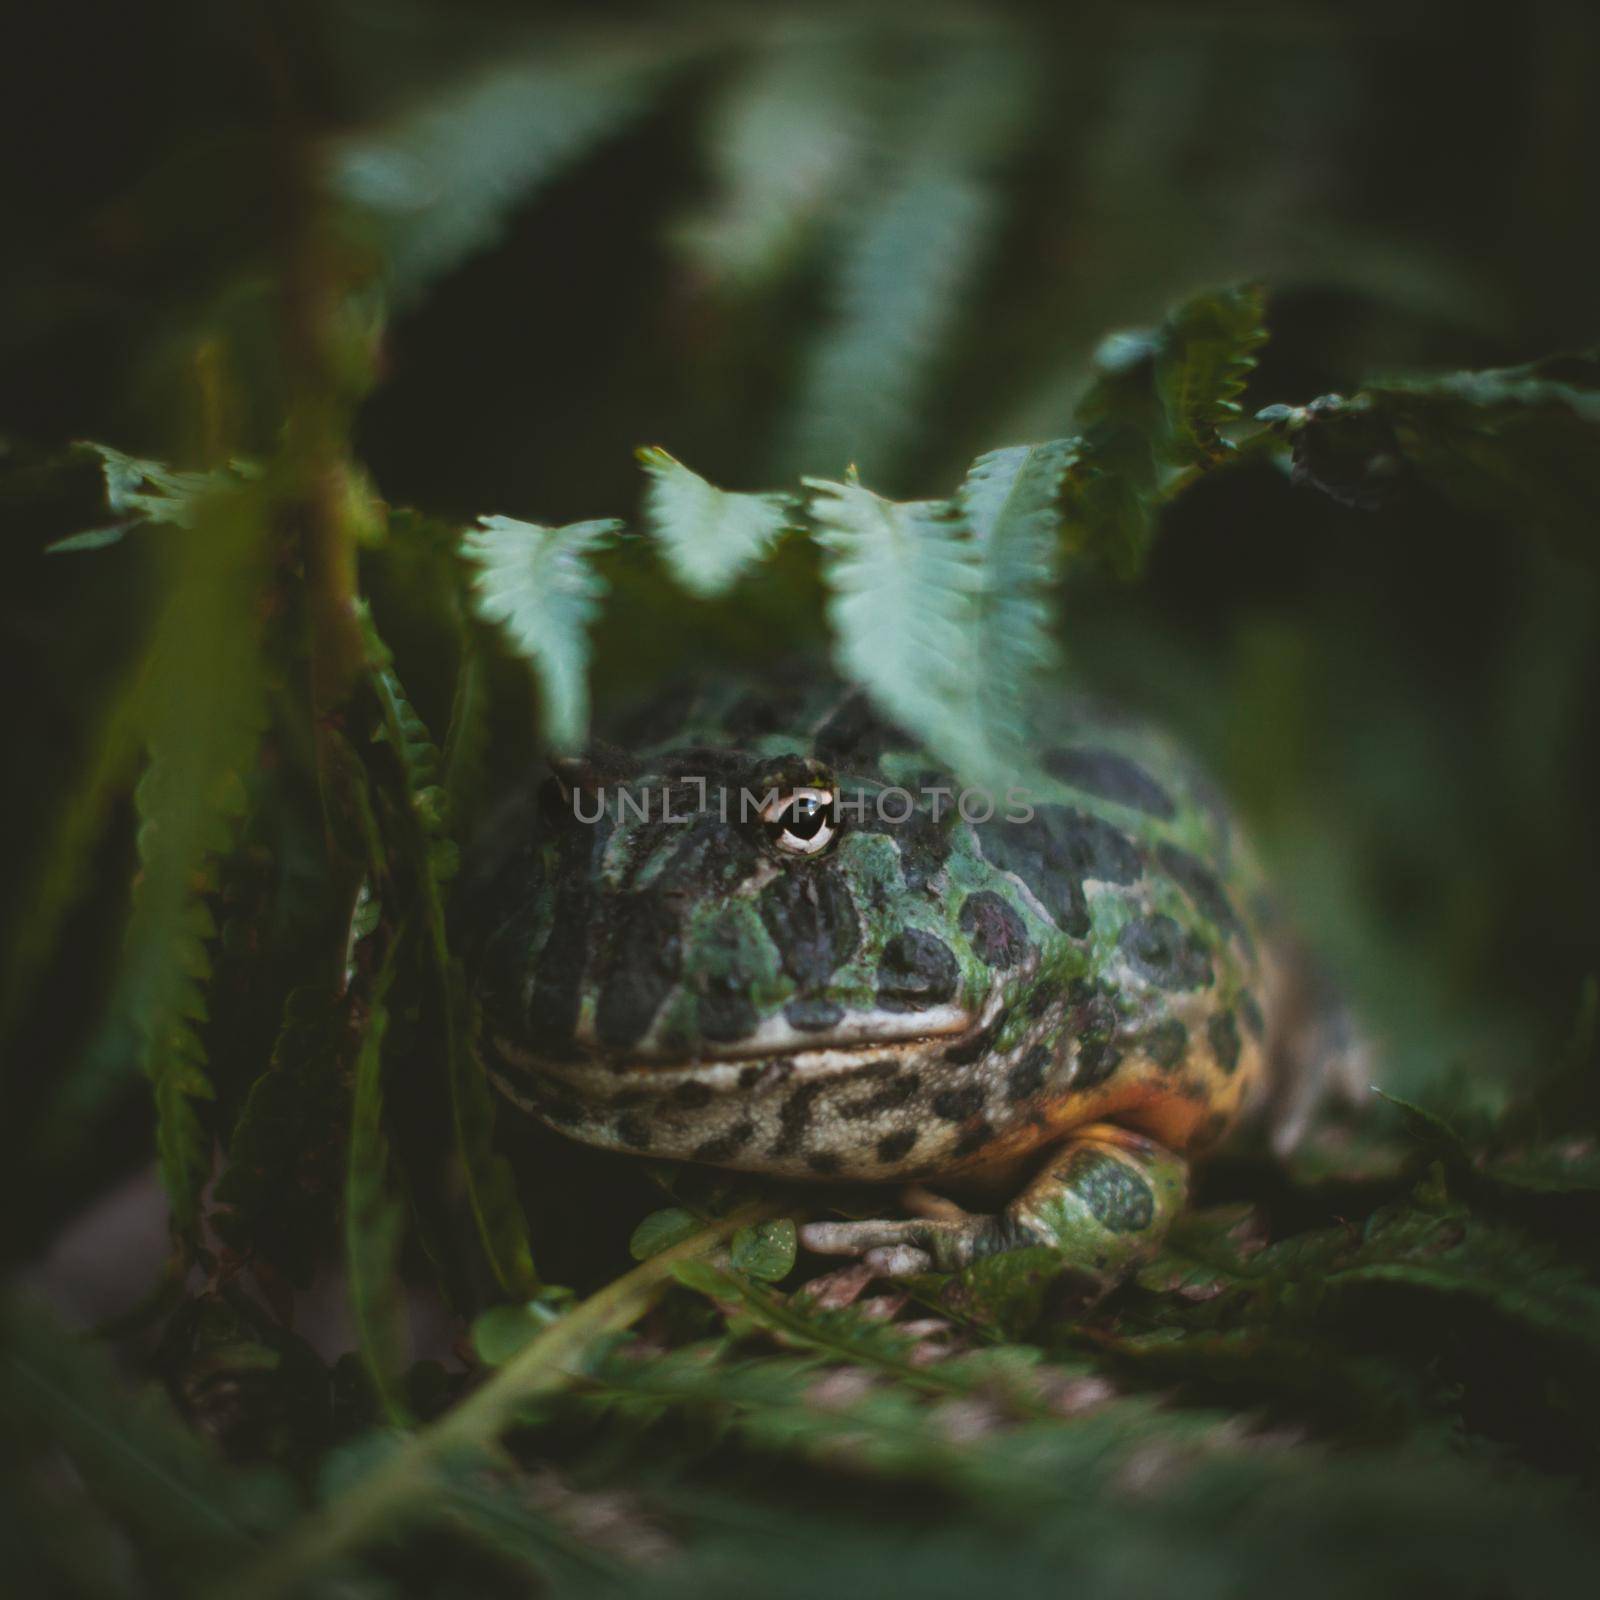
(768, 890)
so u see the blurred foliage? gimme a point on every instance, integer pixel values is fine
(339, 261)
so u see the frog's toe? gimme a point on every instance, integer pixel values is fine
(857, 1238)
(898, 1261)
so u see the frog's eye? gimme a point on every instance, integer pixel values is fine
(801, 821)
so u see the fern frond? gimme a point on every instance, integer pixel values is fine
(440, 180)
(203, 709)
(538, 586)
(906, 263)
(1150, 419)
(1011, 501)
(710, 535)
(902, 578)
(783, 139)
(1205, 354)
(486, 1176)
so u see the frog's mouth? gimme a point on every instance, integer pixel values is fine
(855, 1035)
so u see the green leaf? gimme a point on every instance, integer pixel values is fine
(1518, 443)
(1150, 419)
(908, 253)
(537, 584)
(1011, 500)
(711, 535)
(374, 1218)
(439, 181)
(660, 1231)
(202, 711)
(902, 579)
(766, 1250)
(289, 1150)
(180, 1507)
(785, 138)
(486, 1176)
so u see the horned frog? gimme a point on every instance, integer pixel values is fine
(774, 936)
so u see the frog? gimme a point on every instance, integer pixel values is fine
(763, 929)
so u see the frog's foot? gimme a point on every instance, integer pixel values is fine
(1104, 1200)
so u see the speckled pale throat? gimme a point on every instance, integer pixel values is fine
(1059, 1011)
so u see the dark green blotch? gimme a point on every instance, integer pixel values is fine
(1163, 954)
(1202, 886)
(973, 1138)
(643, 963)
(1054, 851)
(1223, 1032)
(1118, 1198)
(633, 1131)
(894, 1145)
(812, 920)
(1166, 1043)
(1026, 1078)
(1250, 1015)
(994, 930)
(690, 1096)
(1111, 777)
(898, 1091)
(915, 972)
(794, 1119)
(1095, 1025)
(812, 1016)
(956, 1105)
(724, 1145)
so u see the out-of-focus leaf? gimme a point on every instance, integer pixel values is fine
(278, 1192)
(440, 180)
(909, 250)
(1150, 417)
(203, 706)
(710, 535)
(660, 1230)
(1518, 443)
(186, 1514)
(537, 584)
(785, 138)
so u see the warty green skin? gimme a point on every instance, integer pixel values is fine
(1064, 1009)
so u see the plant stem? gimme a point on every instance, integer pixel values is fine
(472, 1427)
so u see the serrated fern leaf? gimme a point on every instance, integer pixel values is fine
(486, 1176)
(440, 180)
(902, 578)
(203, 707)
(149, 491)
(1204, 357)
(1150, 419)
(538, 586)
(906, 260)
(1011, 502)
(710, 535)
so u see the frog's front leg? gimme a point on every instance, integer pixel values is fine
(1104, 1199)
